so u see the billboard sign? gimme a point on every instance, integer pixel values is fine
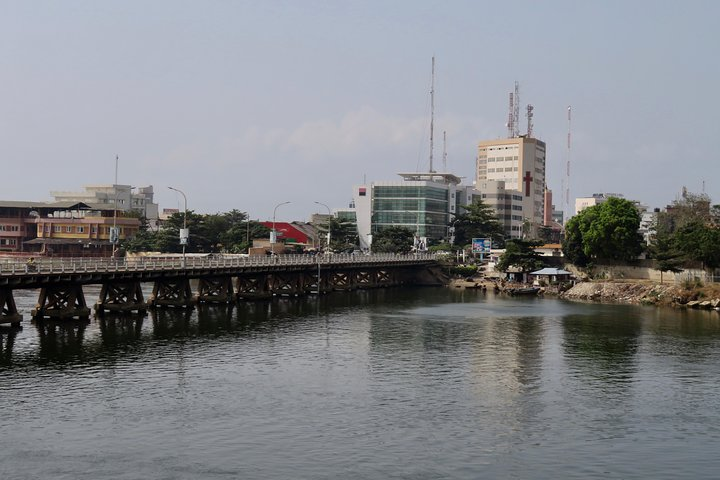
(481, 245)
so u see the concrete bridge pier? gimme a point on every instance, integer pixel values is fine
(121, 297)
(61, 302)
(172, 293)
(216, 290)
(8, 310)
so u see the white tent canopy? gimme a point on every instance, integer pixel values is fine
(551, 271)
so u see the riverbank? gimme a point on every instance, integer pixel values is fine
(646, 293)
(641, 292)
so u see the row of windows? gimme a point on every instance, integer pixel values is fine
(420, 204)
(410, 192)
(483, 160)
(490, 149)
(507, 169)
(8, 241)
(81, 229)
(410, 218)
(9, 228)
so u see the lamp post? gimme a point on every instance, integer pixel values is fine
(114, 237)
(184, 234)
(247, 231)
(273, 234)
(328, 234)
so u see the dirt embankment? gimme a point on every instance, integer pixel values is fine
(648, 293)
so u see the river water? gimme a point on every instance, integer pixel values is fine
(429, 383)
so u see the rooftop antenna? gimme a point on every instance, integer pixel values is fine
(511, 109)
(445, 151)
(529, 115)
(516, 111)
(567, 172)
(432, 111)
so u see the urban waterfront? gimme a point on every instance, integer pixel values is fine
(392, 383)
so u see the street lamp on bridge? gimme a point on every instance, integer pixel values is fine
(329, 225)
(184, 233)
(273, 233)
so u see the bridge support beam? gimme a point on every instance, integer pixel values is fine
(121, 297)
(172, 293)
(342, 280)
(215, 290)
(61, 302)
(287, 283)
(366, 278)
(387, 278)
(8, 309)
(253, 287)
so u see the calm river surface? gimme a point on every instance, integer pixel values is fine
(430, 383)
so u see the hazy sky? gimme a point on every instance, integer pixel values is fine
(246, 104)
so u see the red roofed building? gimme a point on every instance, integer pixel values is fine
(293, 232)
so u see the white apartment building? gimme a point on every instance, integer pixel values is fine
(115, 196)
(581, 203)
(508, 204)
(520, 164)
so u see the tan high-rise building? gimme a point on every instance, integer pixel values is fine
(520, 163)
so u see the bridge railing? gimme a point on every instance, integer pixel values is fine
(11, 266)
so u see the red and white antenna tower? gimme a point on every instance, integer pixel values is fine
(567, 172)
(432, 112)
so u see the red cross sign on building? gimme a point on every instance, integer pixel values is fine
(527, 179)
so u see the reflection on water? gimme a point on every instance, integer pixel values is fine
(403, 383)
(61, 340)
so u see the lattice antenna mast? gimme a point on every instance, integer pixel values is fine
(529, 115)
(432, 111)
(567, 172)
(516, 111)
(445, 151)
(510, 122)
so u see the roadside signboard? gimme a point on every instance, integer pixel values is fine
(481, 245)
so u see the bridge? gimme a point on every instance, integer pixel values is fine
(219, 279)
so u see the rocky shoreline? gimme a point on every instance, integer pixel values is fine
(645, 293)
(630, 292)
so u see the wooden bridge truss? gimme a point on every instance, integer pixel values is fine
(62, 297)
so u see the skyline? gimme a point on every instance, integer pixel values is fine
(244, 105)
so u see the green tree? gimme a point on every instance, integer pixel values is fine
(521, 254)
(606, 231)
(478, 220)
(667, 257)
(699, 242)
(343, 235)
(393, 239)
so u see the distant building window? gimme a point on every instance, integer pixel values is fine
(68, 229)
(57, 228)
(93, 229)
(80, 229)
(362, 192)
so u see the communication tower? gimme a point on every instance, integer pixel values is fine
(529, 115)
(567, 171)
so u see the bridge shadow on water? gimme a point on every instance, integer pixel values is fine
(109, 337)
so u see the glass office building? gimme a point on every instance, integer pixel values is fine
(424, 203)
